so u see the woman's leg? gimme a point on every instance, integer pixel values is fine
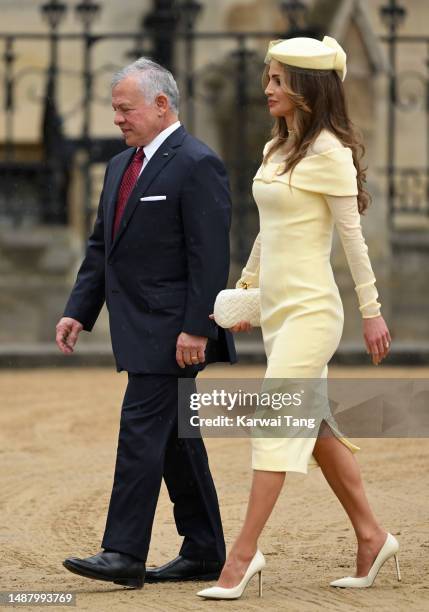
(341, 470)
(266, 487)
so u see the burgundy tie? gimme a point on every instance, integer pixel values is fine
(129, 179)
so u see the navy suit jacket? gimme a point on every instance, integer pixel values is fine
(169, 259)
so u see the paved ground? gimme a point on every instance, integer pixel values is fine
(58, 433)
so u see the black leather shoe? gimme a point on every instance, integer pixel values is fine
(110, 566)
(182, 568)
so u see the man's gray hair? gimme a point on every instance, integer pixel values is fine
(153, 80)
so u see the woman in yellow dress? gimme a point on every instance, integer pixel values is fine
(310, 180)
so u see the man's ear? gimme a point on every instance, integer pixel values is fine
(161, 102)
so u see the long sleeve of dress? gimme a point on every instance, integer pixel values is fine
(250, 273)
(347, 221)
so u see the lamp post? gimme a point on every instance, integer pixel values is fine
(392, 15)
(87, 11)
(161, 22)
(54, 13)
(295, 12)
(189, 11)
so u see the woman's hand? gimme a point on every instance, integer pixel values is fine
(377, 338)
(239, 327)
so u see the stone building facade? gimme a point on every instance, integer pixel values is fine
(38, 263)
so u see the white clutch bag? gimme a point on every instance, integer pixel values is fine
(235, 305)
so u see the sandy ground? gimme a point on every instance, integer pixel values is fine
(58, 434)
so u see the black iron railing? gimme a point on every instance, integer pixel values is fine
(408, 188)
(226, 88)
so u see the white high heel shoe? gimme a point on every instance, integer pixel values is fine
(255, 567)
(389, 549)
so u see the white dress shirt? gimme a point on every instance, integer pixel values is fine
(152, 147)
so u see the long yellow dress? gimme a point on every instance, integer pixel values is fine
(301, 310)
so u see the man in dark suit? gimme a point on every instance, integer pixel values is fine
(158, 255)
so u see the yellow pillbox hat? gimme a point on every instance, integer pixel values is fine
(309, 53)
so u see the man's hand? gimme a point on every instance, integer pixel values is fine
(190, 349)
(68, 331)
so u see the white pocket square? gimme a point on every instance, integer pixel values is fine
(152, 198)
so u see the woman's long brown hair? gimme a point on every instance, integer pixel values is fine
(319, 100)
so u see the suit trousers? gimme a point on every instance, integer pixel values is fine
(149, 450)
